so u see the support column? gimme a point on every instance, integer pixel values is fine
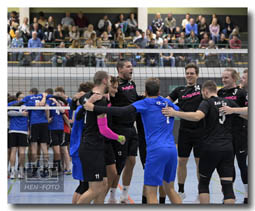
(142, 18)
(23, 12)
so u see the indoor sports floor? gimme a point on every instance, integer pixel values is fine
(135, 191)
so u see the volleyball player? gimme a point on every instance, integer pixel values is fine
(189, 97)
(231, 91)
(216, 150)
(161, 158)
(91, 149)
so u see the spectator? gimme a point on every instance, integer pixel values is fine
(59, 59)
(228, 27)
(202, 28)
(38, 30)
(49, 30)
(67, 21)
(100, 57)
(152, 59)
(191, 26)
(181, 58)
(158, 24)
(137, 35)
(185, 21)
(35, 42)
(89, 58)
(158, 40)
(35, 20)
(13, 28)
(17, 42)
(235, 32)
(59, 34)
(214, 29)
(132, 25)
(13, 18)
(110, 32)
(42, 21)
(149, 35)
(119, 38)
(199, 19)
(89, 31)
(192, 40)
(81, 21)
(204, 43)
(223, 43)
(235, 42)
(122, 24)
(73, 58)
(226, 60)
(93, 37)
(74, 34)
(177, 33)
(24, 30)
(170, 24)
(141, 42)
(167, 59)
(211, 59)
(103, 24)
(105, 40)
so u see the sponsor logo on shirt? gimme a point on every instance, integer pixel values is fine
(191, 95)
(231, 97)
(127, 87)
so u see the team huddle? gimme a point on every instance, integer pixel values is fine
(111, 122)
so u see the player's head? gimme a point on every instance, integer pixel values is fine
(85, 87)
(244, 79)
(113, 88)
(49, 91)
(125, 69)
(60, 91)
(19, 96)
(101, 78)
(230, 78)
(208, 88)
(34, 91)
(191, 74)
(152, 86)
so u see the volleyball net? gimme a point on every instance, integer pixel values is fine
(68, 67)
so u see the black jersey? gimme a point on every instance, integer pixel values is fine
(218, 133)
(126, 95)
(189, 98)
(91, 135)
(239, 96)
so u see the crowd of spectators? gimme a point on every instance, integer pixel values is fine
(77, 32)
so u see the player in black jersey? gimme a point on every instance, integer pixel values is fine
(189, 97)
(216, 150)
(91, 150)
(240, 126)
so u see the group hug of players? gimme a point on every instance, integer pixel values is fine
(104, 141)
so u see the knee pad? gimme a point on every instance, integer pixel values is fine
(227, 189)
(203, 186)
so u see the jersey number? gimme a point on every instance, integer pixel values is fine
(222, 118)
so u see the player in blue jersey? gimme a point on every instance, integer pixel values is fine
(161, 159)
(18, 131)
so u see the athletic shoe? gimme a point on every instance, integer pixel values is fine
(45, 172)
(123, 200)
(182, 195)
(12, 175)
(112, 201)
(68, 172)
(20, 175)
(197, 200)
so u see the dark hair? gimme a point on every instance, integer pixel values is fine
(11, 98)
(85, 87)
(192, 65)
(34, 91)
(121, 63)
(152, 86)
(245, 70)
(113, 80)
(99, 77)
(60, 89)
(49, 91)
(210, 85)
(18, 94)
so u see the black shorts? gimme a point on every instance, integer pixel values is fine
(18, 140)
(9, 140)
(82, 188)
(56, 137)
(109, 155)
(185, 144)
(40, 133)
(93, 164)
(223, 161)
(240, 142)
(128, 149)
(66, 140)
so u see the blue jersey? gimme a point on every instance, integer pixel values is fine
(70, 112)
(57, 122)
(75, 140)
(158, 128)
(18, 124)
(36, 116)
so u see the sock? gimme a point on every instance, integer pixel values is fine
(12, 168)
(246, 190)
(162, 200)
(112, 193)
(125, 192)
(144, 200)
(181, 188)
